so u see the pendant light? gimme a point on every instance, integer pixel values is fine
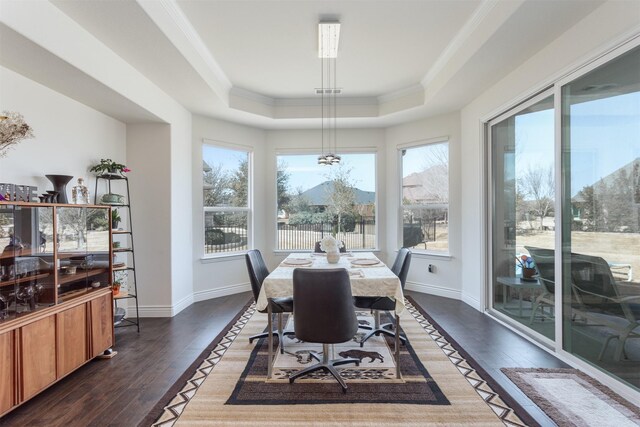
(328, 39)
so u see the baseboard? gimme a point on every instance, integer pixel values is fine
(160, 310)
(471, 301)
(440, 291)
(221, 292)
(182, 304)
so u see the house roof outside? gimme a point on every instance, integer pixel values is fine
(319, 195)
(610, 180)
(427, 187)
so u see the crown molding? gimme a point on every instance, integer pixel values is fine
(171, 20)
(467, 30)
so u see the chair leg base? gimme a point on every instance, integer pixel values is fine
(382, 330)
(280, 336)
(328, 367)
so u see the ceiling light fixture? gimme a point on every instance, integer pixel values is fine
(328, 40)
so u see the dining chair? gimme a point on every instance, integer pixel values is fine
(324, 313)
(400, 268)
(544, 261)
(258, 271)
(318, 250)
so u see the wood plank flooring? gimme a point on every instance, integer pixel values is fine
(122, 390)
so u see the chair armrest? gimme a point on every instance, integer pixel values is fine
(616, 300)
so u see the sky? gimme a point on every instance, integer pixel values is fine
(305, 172)
(605, 135)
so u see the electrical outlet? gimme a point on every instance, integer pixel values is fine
(432, 268)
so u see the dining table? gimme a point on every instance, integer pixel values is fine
(368, 275)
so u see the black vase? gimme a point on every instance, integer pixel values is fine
(60, 185)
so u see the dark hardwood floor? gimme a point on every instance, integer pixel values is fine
(122, 390)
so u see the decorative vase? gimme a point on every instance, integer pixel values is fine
(333, 257)
(60, 185)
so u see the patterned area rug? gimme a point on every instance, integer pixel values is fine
(573, 399)
(201, 396)
(374, 381)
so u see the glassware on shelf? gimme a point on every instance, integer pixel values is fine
(80, 193)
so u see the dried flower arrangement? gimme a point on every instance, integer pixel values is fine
(13, 129)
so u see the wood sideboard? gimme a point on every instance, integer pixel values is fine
(39, 349)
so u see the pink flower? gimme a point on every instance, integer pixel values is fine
(126, 170)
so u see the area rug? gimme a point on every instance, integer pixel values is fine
(373, 381)
(472, 398)
(571, 398)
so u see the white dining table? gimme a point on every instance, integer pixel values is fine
(374, 280)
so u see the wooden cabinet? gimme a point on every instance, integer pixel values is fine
(39, 349)
(72, 338)
(56, 304)
(38, 355)
(7, 372)
(101, 324)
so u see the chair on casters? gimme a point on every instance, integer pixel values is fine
(324, 313)
(400, 268)
(257, 273)
(319, 250)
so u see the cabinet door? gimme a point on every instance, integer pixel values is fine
(7, 379)
(101, 324)
(38, 355)
(72, 339)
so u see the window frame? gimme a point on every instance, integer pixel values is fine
(248, 209)
(315, 152)
(416, 144)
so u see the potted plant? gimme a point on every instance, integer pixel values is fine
(115, 287)
(109, 167)
(115, 218)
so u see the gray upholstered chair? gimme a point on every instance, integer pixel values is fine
(258, 271)
(400, 268)
(318, 250)
(324, 313)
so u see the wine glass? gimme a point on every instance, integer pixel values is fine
(4, 307)
(38, 290)
(25, 294)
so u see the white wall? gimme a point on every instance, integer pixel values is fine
(226, 274)
(69, 136)
(151, 212)
(446, 280)
(308, 141)
(599, 31)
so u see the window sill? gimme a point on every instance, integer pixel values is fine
(301, 251)
(222, 258)
(423, 254)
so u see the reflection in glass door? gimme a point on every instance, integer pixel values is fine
(523, 223)
(601, 217)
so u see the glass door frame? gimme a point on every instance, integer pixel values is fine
(553, 88)
(490, 200)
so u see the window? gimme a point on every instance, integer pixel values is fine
(425, 197)
(227, 207)
(315, 201)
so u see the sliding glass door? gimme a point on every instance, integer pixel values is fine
(601, 217)
(523, 222)
(565, 216)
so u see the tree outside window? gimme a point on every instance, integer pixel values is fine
(226, 178)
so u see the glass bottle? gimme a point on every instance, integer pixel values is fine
(80, 193)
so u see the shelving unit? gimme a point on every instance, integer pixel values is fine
(56, 306)
(130, 265)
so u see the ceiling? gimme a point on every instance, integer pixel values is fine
(256, 62)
